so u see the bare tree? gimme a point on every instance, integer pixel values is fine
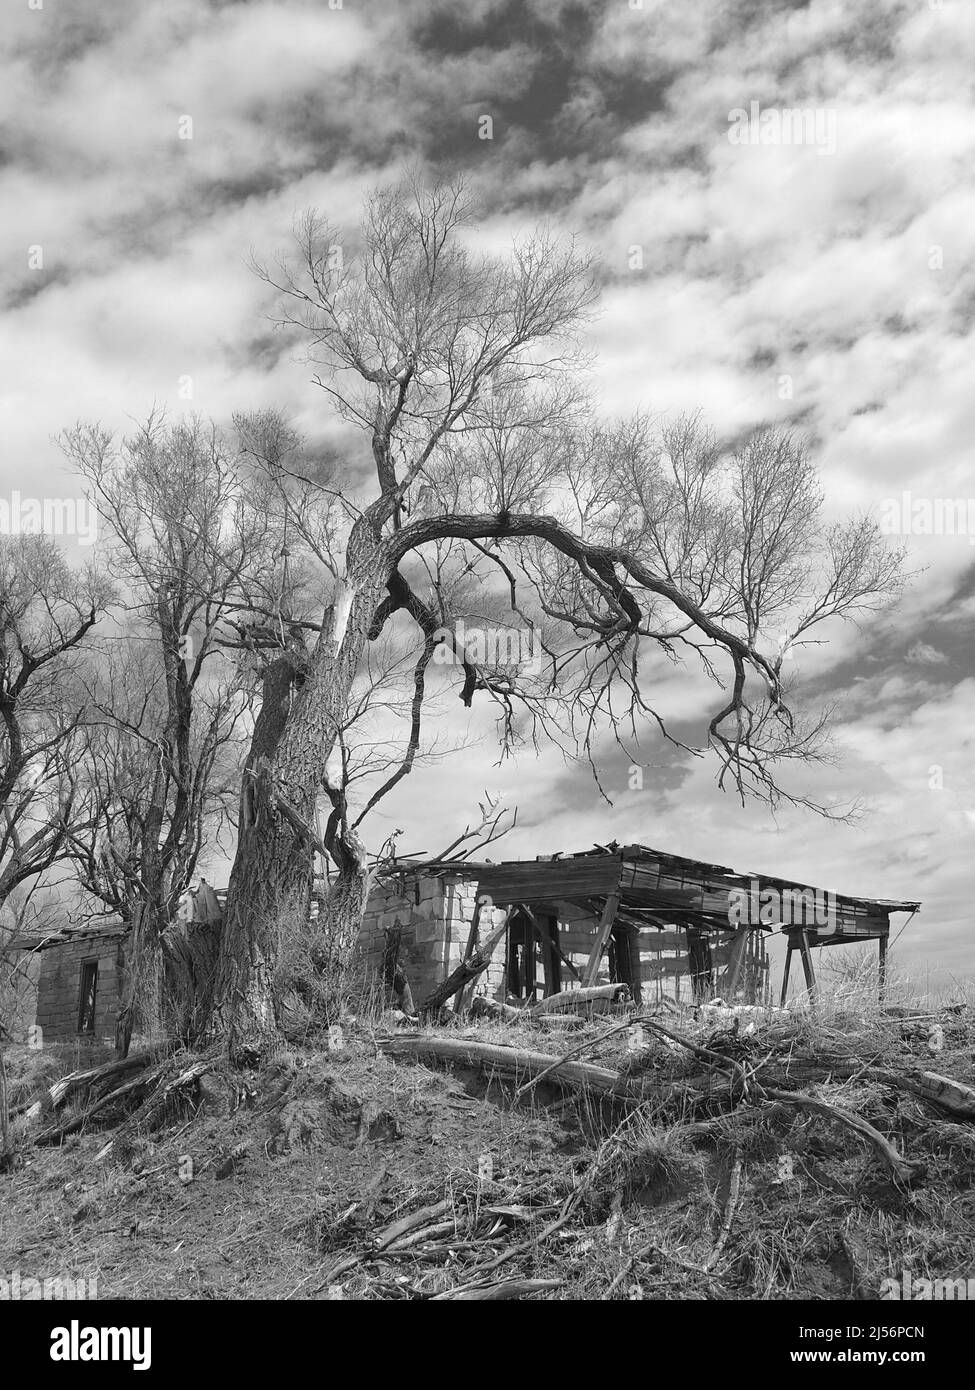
(47, 610)
(628, 544)
(197, 558)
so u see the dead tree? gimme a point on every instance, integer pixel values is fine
(620, 545)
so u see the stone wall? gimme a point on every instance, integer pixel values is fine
(434, 913)
(59, 988)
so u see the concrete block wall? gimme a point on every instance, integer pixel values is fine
(59, 988)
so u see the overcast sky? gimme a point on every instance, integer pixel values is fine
(826, 281)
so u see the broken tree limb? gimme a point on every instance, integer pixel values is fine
(469, 951)
(421, 1217)
(716, 1059)
(478, 961)
(4, 1125)
(158, 1100)
(905, 1170)
(440, 1228)
(734, 1187)
(945, 1092)
(135, 1087)
(508, 1288)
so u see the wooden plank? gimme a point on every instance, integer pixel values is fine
(559, 879)
(602, 936)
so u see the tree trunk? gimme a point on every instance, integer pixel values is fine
(190, 951)
(271, 880)
(270, 889)
(140, 1002)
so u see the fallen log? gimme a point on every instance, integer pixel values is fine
(572, 1076)
(76, 1081)
(559, 1023)
(502, 1013)
(598, 998)
(943, 1091)
(585, 1046)
(511, 1061)
(511, 1013)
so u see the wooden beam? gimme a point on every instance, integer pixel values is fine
(882, 968)
(530, 959)
(807, 965)
(471, 943)
(785, 974)
(602, 936)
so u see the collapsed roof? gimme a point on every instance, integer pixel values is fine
(657, 889)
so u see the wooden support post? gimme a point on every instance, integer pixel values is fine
(552, 952)
(530, 957)
(602, 936)
(882, 968)
(785, 973)
(468, 949)
(632, 945)
(807, 964)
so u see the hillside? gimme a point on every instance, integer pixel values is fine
(735, 1155)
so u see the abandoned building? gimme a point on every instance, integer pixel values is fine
(64, 986)
(659, 923)
(662, 924)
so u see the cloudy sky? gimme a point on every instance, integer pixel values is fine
(827, 281)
